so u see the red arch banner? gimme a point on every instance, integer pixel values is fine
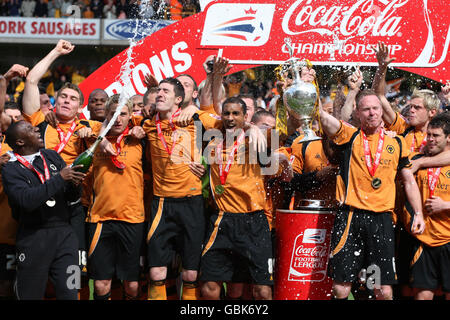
(251, 33)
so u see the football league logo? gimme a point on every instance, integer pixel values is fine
(238, 24)
(314, 235)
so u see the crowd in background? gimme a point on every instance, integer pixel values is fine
(103, 9)
(258, 83)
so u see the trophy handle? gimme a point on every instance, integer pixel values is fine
(288, 43)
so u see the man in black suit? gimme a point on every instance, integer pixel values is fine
(38, 185)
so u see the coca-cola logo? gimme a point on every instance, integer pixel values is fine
(317, 251)
(360, 19)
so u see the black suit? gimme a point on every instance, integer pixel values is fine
(46, 243)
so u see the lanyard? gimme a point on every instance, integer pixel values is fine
(433, 176)
(64, 138)
(117, 163)
(223, 172)
(373, 165)
(174, 130)
(422, 145)
(28, 165)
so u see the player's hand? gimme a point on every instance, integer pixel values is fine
(185, 116)
(106, 147)
(355, 80)
(84, 132)
(137, 132)
(71, 175)
(308, 74)
(64, 47)
(16, 70)
(382, 54)
(435, 205)
(148, 111)
(287, 173)
(256, 139)
(197, 169)
(50, 117)
(150, 81)
(4, 158)
(417, 224)
(221, 66)
(415, 165)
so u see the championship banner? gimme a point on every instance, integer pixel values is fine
(251, 33)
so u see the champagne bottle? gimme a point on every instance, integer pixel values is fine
(87, 156)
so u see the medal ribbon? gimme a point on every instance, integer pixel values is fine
(174, 130)
(64, 138)
(433, 176)
(422, 145)
(43, 177)
(223, 172)
(117, 163)
(373, 165)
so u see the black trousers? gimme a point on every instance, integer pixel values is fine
(47, 253)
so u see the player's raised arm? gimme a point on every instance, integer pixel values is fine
(330, 124)
(379, 81)
(30, 100)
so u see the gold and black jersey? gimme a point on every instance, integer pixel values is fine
(172, 176)
(437, 225)
(413, 137)
(50, 135)
(354, 185)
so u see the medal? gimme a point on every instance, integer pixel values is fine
(223, 172)
(42, 177)
(50, 202)
(119, 165)
(422, 145)
(376, 183)
(174, 132)
(433, 177)
(219, 189)
(372, 165)
(64, 138)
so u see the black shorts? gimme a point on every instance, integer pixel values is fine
(238, 247)
(361, 239)
(115, 249)
(45, 253)
(404, 252)
(7, 262)
(177, 226)
(431, 267)
(78, 222)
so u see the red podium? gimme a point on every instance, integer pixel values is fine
(302, 251)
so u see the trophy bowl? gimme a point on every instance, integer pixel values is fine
(300, 99)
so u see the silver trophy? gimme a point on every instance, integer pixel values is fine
(300, 98)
